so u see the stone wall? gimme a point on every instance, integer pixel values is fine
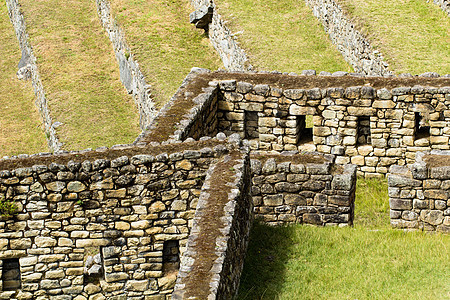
(444, 4)
(354, 47)
(359, 122)
(130, 73)
(190, 113)
(131, 205)
(231, 218)
(419, 194)
(29, 60)
(232, 55)
(306, 189)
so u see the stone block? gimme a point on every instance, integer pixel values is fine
(297, 110)
(433, 217)
(273, 200)
(361, 111)
(440, 172)
(400, 204)
(383, 104)
(315, 219)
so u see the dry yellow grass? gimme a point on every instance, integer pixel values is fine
(21, 130)
(80, 74)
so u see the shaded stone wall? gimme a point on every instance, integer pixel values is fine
(305, 189)
(354, 47)
(19, 25)
(125, 208)
(372, 128)
(419, 194)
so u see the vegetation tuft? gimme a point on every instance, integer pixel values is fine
(368, 261)
(8, 208)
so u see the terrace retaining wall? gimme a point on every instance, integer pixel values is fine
(232, 55)
(19, 25)
(419, 194)
(130, 73)
(354, 47)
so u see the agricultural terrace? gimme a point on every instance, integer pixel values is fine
(20, 126)
(281, 35)
(164, 43)
(80, 74)
(413, 35)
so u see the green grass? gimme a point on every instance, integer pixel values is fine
(80, 74)
(372, 203)
(413, 35)
(281, 35)
(164, 43)
(368, 261)
(21, 130)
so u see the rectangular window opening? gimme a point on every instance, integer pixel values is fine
(304, 129)
(171, 256)
(11, 274)
(422, 126)
(251, 125)
(363, 136)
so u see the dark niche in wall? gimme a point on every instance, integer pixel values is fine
(11, 274)
(422, 127)
(171, 256)
(251, 125)
(363, 136)
(304, 129)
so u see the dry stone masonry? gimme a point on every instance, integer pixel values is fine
(419, 194)
(169, 216)
(354, 47)
(303, 189)
(358, 120)
(107, 227)
(130, 73)
(233, 56)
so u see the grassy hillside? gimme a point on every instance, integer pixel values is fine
(20, 127)
(413, 35)
(368, 261)
(281, 35)
(80, 74)
(164, 43)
